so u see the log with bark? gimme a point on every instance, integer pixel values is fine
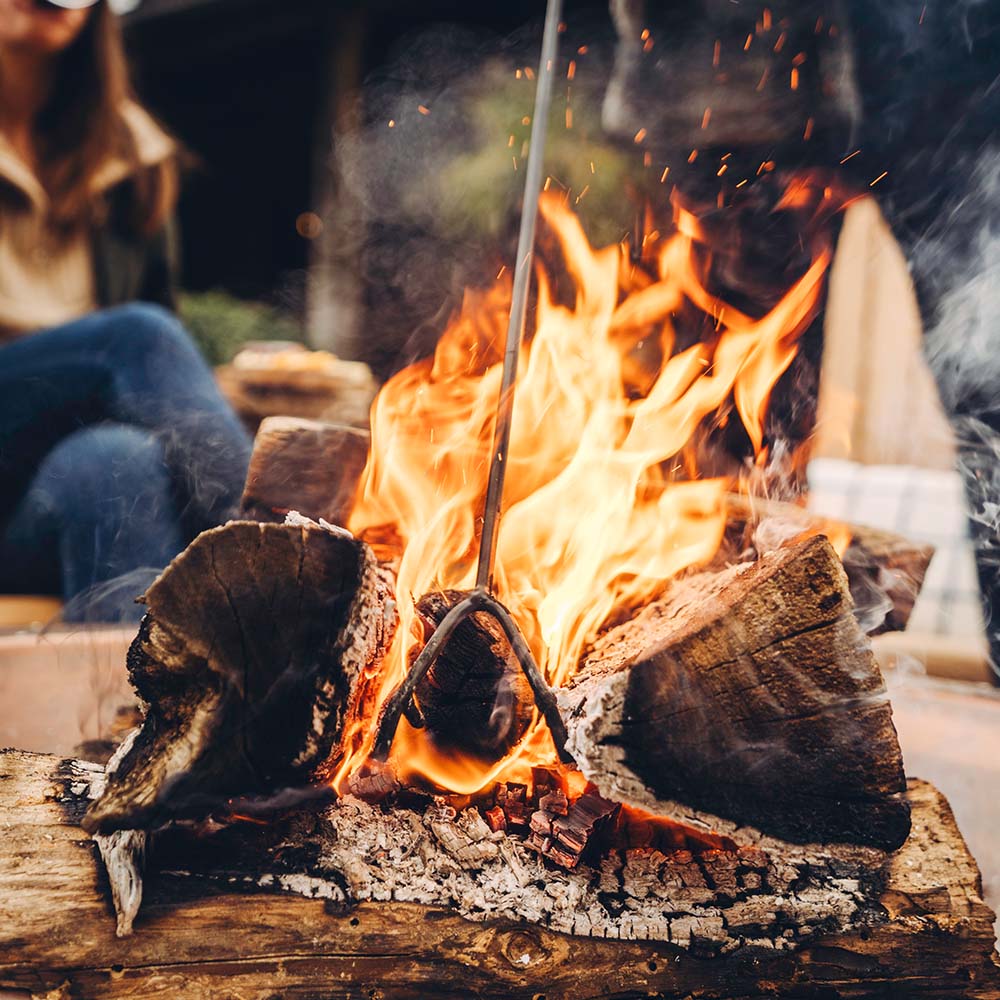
(885, 570)
(232, 929)
(258, 640)
(474, 697)
(752, 694)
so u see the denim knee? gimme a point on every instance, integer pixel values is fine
(105, 463)
(151, 331)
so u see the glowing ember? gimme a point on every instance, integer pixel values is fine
(602, 503)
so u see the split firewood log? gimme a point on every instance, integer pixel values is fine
(304, 465)
(474, 697)
(885, 570)
(257, 642)
(752, 694)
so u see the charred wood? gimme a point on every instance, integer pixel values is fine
(253, 650)
(474, 697)
(752, 694)
(234, 920)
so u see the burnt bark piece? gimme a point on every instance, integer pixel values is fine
(304, 465)
(215, 932)
(474, 697)
(252, 653)
(752, 694)
(885, 570)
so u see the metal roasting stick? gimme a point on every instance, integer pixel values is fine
(481, 598)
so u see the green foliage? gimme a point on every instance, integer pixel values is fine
(478, 190)
(221, 324)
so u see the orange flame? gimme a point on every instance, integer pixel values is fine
(600, 505)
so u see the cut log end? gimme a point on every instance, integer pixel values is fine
(474, 697)
(254, 648)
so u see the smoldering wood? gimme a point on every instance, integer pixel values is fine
(304, 465)
(474, 696)
(257, 642)
(752, 694)
(883, 568)
(222, 921)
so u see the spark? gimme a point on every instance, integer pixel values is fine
(663, 176)
(639, 136)
(799, 59)
(742, 182)
(510, 142)
(582, 50)
(810, 125)
(547, 184)
(582, 193)
(645, 34)
(423, 109)
(763, 78)
(526, 120)
(881, 176)
(513, 160)
(529, 72)
(392, 123)
(722, 170)
(571, 69)
(717, 53)
(923, 14)
(503, 267)
(647, 159)
(517, 74)
(850, 156)
(648, 45)
(746, 44)
(819, 26)
(706, 118)
(724, 157)
(766, 19)
(592, 170)
(693, 156)
(780, 43)
(793, 81)
(569, 117)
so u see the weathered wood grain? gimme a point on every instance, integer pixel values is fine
(885, 570)
(304, 465)
(257, 642)
(752, 694)
(198, 938)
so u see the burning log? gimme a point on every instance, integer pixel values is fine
(752, 694)
(254, 648)
(463, 914)
(885, 570)
(304, 465)
(474, 697)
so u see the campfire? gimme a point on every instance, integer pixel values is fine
(721, 732)
(717, 772)
(655, 717)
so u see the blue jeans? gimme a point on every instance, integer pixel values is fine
(116, 449)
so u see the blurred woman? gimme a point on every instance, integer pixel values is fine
(116, 447)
